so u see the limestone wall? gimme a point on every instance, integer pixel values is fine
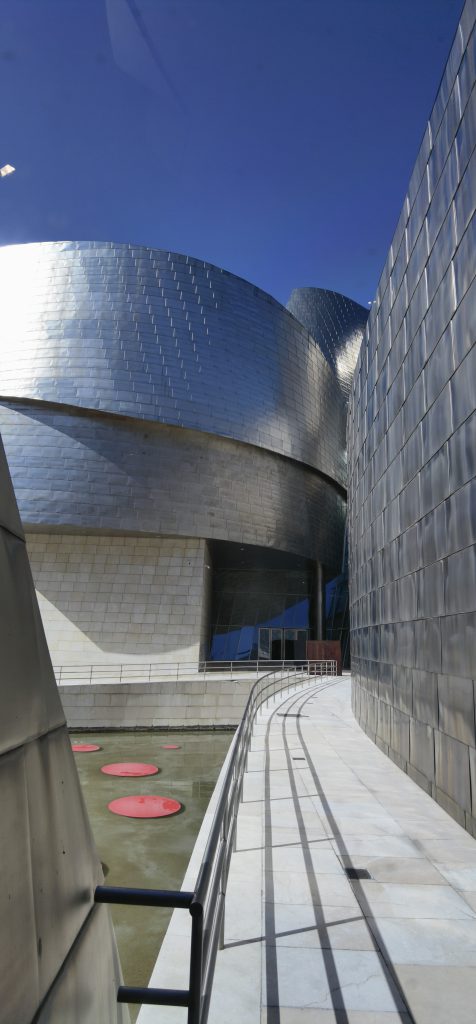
(200, 703)
(120, 599)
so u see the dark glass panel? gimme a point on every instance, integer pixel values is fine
(256, 590)
(301, 642)
(289, 644)
(276, 644)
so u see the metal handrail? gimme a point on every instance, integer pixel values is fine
(206, 903)
(139, 672)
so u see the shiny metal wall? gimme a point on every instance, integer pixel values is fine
(161, 337)
(85, 472)
(148, 392)
(337, 323)
(151, 394)
(51, 934)
(412, 464)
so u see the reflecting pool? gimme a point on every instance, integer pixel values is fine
(150, 852)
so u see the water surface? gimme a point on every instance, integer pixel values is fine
(148, 852)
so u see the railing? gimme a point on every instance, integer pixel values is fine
(206, 902)
(137, 672)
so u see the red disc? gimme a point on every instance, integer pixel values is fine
(132, 768)
(84, 748)
(170, 746)
(144, 806)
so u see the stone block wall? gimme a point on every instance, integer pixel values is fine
(195, 703)
(412, 465)
(120, 599)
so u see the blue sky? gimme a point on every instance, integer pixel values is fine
(275, 138)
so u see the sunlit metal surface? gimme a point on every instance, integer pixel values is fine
(162, 337)
(144, 391)
(337, 324)
(412, 465)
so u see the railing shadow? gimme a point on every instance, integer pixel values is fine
(206, 903)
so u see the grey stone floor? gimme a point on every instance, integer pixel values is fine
(303, 943)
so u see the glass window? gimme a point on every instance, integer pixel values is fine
(276, 644)
(264, 645)
(254, 605)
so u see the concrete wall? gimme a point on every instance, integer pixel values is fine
(169, 704)
(57, 949)
(412, 464)
(120, 599)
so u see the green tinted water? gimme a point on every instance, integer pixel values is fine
(148, 852)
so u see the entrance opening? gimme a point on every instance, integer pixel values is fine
(280, 644)
(262, 604)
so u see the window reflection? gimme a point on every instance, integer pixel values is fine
(260, 613)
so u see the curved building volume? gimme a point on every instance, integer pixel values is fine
(176, 440)
(337, 322)
(412, 465)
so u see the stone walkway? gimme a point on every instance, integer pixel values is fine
(304, 944)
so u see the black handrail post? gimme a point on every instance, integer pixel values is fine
(196, 959)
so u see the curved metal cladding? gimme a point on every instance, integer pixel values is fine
(158, 336)
(154, 392)
(114, 475)
(54, 942)
(337, 324)
(412, 455)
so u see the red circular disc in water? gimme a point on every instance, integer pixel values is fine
(144, 806)
(170, 746)
(84, 748)
(132, 768)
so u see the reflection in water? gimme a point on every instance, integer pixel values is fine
(148, 852)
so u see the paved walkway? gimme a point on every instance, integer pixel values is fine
(304, 944)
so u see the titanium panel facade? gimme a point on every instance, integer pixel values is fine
(149, 394)
(103, 473)
(337, 323)
(49, 863)
(161, 337)
(412, 464)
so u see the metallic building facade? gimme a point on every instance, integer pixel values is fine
(164, 338)
(58, 947)
(145, 393)
(412, 464)
(338, 323)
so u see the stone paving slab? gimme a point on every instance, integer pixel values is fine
(304, 944)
